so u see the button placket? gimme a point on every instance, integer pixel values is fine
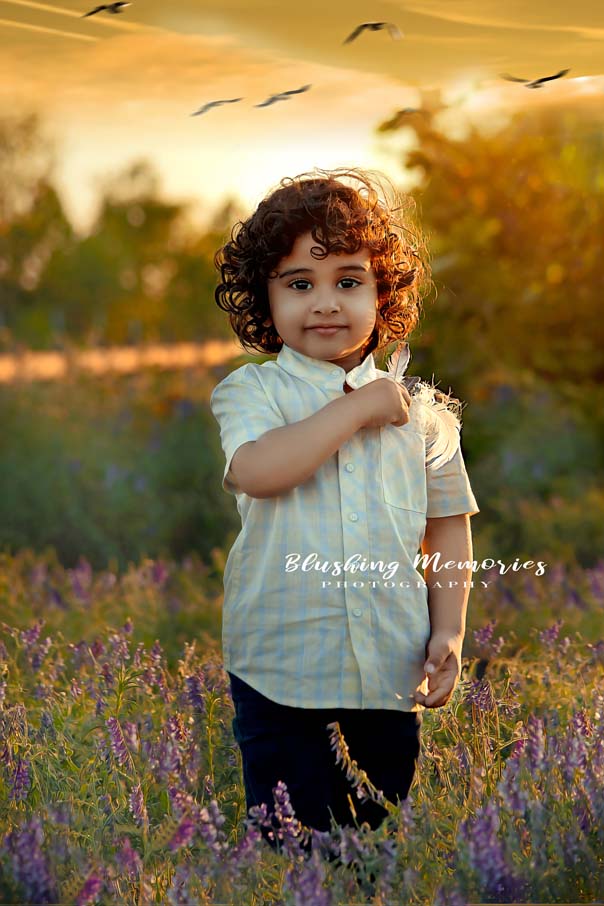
(355, 537)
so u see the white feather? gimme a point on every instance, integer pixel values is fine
(436, 416)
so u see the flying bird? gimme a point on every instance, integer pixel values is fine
(282, 96)
(535, 83)
(374, 26)
(211, 104)
(110, 7)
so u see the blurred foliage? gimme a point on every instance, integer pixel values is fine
(514, 219)
(113, 468)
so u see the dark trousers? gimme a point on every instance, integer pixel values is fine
(279, 742)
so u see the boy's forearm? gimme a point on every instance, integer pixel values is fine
(285, 457)
(451, 535)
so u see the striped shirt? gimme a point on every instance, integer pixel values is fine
(323, 604)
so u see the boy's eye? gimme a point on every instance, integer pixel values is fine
(296, 283)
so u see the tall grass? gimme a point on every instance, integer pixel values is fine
(120, 780)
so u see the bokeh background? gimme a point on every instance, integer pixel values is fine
(114, 199)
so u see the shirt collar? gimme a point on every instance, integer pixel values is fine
(327, 374)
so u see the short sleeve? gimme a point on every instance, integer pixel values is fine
(244, 412)
(449, 491)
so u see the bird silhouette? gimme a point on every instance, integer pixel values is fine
(374, 26)
(535, 83)
(211, 104)
(282, 96)
(110, 7)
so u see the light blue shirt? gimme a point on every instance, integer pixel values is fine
(297, 627)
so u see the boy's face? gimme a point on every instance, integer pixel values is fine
(338, 292)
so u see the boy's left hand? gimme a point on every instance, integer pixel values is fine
(443, 668)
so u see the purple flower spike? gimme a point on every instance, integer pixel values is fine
(195, 693)
(487, 854)
(128, 859)
(306, 883)
(183, 835)
(118, 743)
(480, 694)
(29, 863)
(20, 780)
(291, 828)
(535, 743)
(212, 820)
(548, 636)
(90, 892)
(30, 636)
(137, 805)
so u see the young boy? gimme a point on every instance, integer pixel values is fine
(325, 615)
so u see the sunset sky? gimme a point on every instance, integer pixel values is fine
(113, 89)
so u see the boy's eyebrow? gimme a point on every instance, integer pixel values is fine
(309, 270)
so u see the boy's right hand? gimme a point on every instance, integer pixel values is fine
(382, 402)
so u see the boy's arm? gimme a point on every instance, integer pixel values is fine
(452, 537)
(283, 458)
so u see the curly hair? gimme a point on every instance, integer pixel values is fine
(341, 218)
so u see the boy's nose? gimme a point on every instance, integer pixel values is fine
(325, 303)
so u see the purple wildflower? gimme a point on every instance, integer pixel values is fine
(306, 883)
(137, 805)
(39, 652)
(128, 859)
(548, 636)
(290, 827)
(195, 692)
(184, 834)
(90, 892)
(30, 865)
(120, 649)
(183, 803)
(29, 637)
(130, 731)
(487, 854)
(513, 797)
(212, 820)
(118, 743)
(464, 759)
(97, 648)
(245, 852)
(535, 743)
(480, 693)
(20, 781)
(107, 675)
(179, 893)
(482, 637)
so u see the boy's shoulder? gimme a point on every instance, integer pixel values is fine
(253, 373)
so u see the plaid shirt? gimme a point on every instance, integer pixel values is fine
(298, 628)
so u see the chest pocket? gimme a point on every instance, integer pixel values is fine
(403, 465)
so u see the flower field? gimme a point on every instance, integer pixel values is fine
(120, 779)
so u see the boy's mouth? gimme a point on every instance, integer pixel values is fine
(326, 329)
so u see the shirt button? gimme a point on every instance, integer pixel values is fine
(349, 467)
(335, 371)
(357, 612)
(353, 517)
